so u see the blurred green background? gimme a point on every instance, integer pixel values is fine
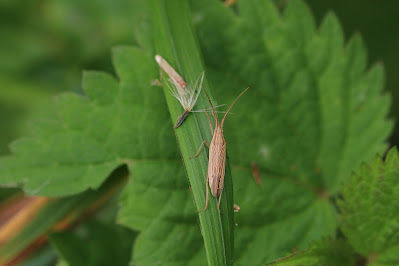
(45, 45)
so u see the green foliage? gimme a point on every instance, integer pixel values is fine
(95, 244)
(58, 213)
(95, 134)
(370, 210)
(356, 16)
(369, 220)
(328, 252)
(46, 44)
(313, 97)
(49, 42)
(20, 102)
(313, 113)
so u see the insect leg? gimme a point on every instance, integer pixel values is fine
(210, 123)
(220, 197)
(202, 145)
(206, 187)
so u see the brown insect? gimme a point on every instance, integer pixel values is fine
(217, 155)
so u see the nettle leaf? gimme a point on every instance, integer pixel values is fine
(328, 252)
(312, 114)
(116, 123)
(370, 210)
(310, 96)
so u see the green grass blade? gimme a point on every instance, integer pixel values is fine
(175, 40)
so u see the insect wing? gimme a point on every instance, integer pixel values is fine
(216, 165)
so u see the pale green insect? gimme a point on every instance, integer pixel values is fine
(187, 95)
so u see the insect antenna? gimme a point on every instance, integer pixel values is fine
(221, 124)
(207, 109)
(209, 120)
(213, 109)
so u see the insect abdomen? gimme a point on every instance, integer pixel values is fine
(217, 161)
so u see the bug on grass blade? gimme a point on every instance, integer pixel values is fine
(217, 155)
(185, 94)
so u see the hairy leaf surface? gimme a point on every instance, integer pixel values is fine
(370, 210)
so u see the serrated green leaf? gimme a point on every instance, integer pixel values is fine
(91, 136)
(369, 210)
(307, 118)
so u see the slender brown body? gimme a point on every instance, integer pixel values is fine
(217, 162)
(217, 156)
